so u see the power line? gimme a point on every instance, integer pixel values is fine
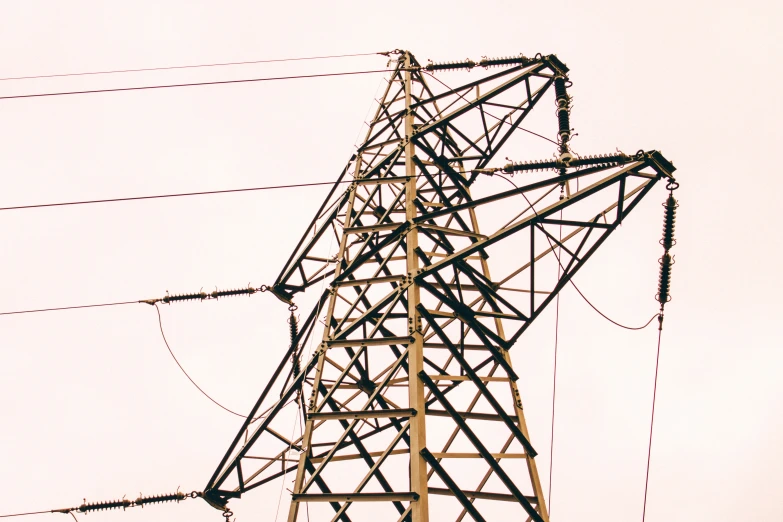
(652, 420)
(223, 64)
(198, 84)
(177, 195)
(67, 308)
(162, 333)
(25, 514)
(554, 385)
(609, 318)
(181, 194)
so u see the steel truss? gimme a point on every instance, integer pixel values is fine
(414, 408)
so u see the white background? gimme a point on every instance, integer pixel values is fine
(92, 404)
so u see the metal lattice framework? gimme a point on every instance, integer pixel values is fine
(414, 411)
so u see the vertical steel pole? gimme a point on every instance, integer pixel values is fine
(418, 434)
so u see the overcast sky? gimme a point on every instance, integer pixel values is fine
(92, 404)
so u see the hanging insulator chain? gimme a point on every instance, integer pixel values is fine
(172, 497)
(563, 102)
(484, 62)
(664, 279)
(204, 296)
(598, 161)
(293, 326)
(667, 241)
(125, 503)
(669, 217)
(100, 506)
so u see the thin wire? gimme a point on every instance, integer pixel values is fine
(186, 66)
(301, 430)
(199, 84)
(652, 420)
(25, 514)
(209, 192)
(487, 112)
(367, 113)
(572, 281)
(161, 196)
(67, 308)
(554, 386)
(160, 323)
(610, 319)
(285, 471)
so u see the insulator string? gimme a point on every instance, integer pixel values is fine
(123, 504)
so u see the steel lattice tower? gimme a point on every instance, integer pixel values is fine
(412, 406)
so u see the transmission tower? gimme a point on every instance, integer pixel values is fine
(410, 402)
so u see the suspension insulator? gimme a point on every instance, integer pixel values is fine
(511, 60)
(563, 121)
(294, 330)
(560, 91)
(607, 160)
(484, 62)
(172, 497)
(563, 102)
(664, 280)
(530, 165)
(98, 506)
(465, 64)
(225, 293)
(669, 217)
(185, 297)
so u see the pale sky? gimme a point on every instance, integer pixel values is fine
(92, 404)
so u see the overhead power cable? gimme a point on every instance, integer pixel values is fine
(205, 394)
(199, 388)
(554, 378)
(178, 195)
(652, 423)
(199, 66)
(609, 318)
(198, 84)
(26, 514)
(67, 308)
